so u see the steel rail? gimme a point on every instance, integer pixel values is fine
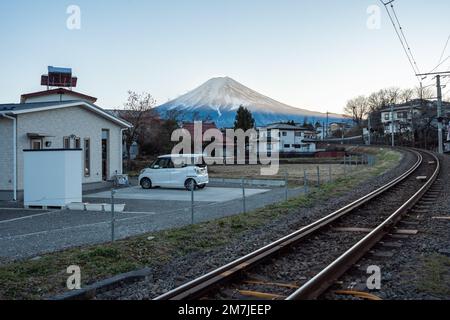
(195, 288)
(323, 280)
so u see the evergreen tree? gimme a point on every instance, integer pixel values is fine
(244, 119)
(305, 122)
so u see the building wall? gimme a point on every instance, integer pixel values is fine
(78, 121)
(52, 98)
(6, 154)
(293, 138)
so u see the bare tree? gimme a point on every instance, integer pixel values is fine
(137, 111)
(393, 95)
(423, 93)
(357, 108)
(406, 95)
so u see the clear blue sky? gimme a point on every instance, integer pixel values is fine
(313, 54)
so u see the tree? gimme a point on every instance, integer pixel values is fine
(357, 108)
(423, 93)
(137, 111)
(244, 119)
(407, 95)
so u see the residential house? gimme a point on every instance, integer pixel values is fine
(289, 139)
(59, 119)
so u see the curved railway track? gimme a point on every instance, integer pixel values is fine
(304, 264)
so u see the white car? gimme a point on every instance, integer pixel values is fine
(176, 171)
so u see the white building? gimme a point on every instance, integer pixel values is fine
(289, 139)
(400, 120)
(58, 119)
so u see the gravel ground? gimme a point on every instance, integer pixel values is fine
(181, 270)
(419, 266)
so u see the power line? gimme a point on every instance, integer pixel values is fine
(443, 51)
(440, 64)
(404, 37)
(407, 52)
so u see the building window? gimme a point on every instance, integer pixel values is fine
(287, 145)
(297, 146)
(402, 115)
(387, 116)
(77, 143)
(66, 143)
(36, 144)
(298, 134)
(284, 134)
(87, 157)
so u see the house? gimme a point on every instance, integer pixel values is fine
(290, 139)
(229, 148)
(59, 119)
(401, 118)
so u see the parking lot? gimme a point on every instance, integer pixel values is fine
(211, 194)
(28, 233)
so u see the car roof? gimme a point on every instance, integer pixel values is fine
(181, 156)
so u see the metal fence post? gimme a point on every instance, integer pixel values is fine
(305, 182)
(113, 216)
(192, 204)
(345, 166)
(243, 196)
(286, 186)
(318, 176)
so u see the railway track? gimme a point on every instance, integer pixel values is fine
(304, 264)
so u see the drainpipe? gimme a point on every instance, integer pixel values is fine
(14, 154)
(121, 149)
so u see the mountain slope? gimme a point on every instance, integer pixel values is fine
(219, 98)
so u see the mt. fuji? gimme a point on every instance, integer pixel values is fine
(219, 98)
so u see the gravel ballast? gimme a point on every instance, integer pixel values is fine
(416, 267)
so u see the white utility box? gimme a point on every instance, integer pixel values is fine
(52, 177)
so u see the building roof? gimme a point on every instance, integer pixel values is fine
(189, 126)
(283, 126)
(21, 108)
(76, 95)
(416, 104)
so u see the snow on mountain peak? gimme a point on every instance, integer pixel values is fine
(224, 95)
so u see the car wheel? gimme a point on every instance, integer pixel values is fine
(201, 186)
(146, 183)
(190, 184)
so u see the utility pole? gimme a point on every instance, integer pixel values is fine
(369, 127)
(439, 114)
(439, 106)
(392, 126)
(328, 114)
(412, 126)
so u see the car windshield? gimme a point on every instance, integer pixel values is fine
(163, 163)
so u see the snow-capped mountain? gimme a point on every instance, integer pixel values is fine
(219, 98)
